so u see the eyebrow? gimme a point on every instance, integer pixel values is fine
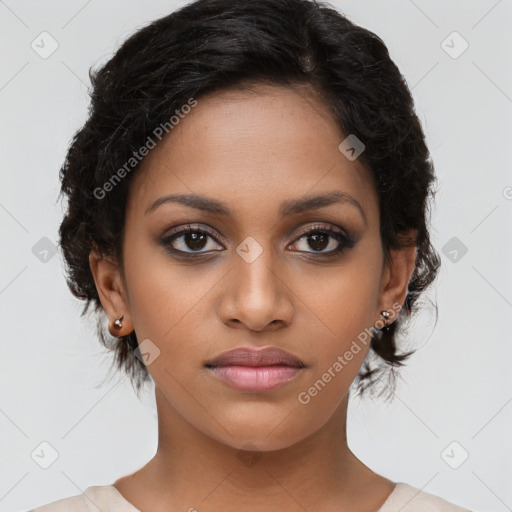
(289, 207)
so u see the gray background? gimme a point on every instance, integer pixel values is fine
(458, 386)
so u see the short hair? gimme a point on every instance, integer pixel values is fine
(209, 46)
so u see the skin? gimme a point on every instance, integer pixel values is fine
(252, 150)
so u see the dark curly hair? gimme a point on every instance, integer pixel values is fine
(211, 45)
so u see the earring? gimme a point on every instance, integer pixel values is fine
(385, 315)
(118, 323)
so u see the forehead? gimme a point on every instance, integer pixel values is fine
(252, 148)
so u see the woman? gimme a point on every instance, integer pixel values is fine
(247, 205)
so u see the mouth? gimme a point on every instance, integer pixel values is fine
(255, 371)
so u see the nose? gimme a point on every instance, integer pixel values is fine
(257, 296)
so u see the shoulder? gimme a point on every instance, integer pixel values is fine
(103, 497)
(406, 498)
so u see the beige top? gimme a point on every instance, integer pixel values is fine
(107, 498)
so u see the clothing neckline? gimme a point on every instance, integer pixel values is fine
(132, 508)
(391, 495)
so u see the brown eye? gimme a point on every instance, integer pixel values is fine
(320, 239)
(189, 241)
(194, 240)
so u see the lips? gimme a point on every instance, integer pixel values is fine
(269, 356)
(255, 370)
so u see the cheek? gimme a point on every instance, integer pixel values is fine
(340, 330)
(167, 301)
(341, 310)
(342, 299)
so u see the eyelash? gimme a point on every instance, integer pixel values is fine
(345, 241)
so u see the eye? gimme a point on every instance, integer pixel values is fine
(195, 239)
(317, 238)
(191, 241)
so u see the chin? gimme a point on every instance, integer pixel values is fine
(257, 436)
(257, 444)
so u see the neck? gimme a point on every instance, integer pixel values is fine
(192, 469)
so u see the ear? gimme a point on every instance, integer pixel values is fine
(111, 292)
(396, 276)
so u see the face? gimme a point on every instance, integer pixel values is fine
(261, 267)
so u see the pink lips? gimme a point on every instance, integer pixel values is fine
(255, 370)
